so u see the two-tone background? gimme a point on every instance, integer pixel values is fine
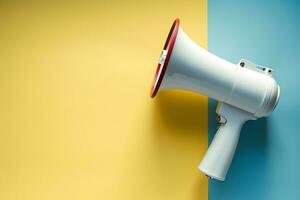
(77, 122)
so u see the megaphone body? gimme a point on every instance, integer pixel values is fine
(245, 91)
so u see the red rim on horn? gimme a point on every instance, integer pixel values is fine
(161, 68)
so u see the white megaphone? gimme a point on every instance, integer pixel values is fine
(245, 91)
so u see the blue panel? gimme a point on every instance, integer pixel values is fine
(267, 162)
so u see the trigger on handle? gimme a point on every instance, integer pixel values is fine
(221, 119)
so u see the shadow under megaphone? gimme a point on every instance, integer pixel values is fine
(181, 112)
(179, 128)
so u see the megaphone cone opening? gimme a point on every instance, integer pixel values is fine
(162, 65)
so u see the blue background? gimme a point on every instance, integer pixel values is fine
(267, 161)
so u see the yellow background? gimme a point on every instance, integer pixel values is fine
(76, 119)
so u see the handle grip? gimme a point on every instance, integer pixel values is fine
(218, 157)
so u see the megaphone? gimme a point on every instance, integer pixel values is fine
(245, 91)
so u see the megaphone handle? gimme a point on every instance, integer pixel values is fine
(218, 157)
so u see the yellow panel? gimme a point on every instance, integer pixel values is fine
(76, 119)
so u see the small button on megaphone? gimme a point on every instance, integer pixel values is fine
(245, 91)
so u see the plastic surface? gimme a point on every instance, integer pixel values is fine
(247, 92)
(190, 67)
(218, 157)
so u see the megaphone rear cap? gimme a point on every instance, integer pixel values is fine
(161, 69)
